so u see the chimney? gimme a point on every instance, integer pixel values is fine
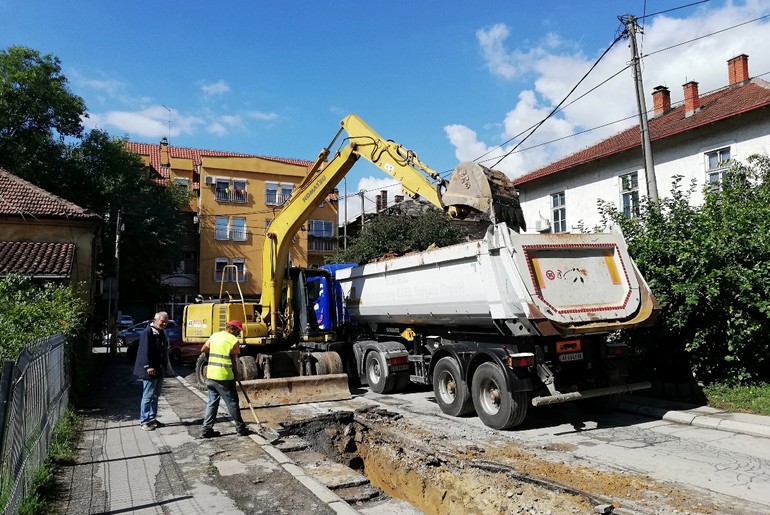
(378, 204)
(384, 195)
(398, 199)
(691, 99)
(738, 69)
(164, 161)
(661, 99)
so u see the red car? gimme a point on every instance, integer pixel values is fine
(178, 351)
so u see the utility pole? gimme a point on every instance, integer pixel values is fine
(632, 27)
(361, 194)
(345, 225)
(113, 321)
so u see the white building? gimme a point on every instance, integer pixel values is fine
(693, 139)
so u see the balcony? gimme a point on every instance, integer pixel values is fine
(225, 234)
(318, 244)
(230, 276)
(273, 198)
(232, 195)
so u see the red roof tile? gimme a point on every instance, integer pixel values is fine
(21, 198)
(37, 259)
(153, 151)
(720, 105)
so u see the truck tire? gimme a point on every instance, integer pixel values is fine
(452, 394)
(377, 374)
(495, 405)
(200, 370)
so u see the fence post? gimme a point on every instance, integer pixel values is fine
(5, 389)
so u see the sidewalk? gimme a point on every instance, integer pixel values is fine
(123, 469)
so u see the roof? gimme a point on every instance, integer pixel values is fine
(37, 259)
(196, 155)
(723, 104)
(21, 198)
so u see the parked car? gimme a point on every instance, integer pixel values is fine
(130, 337)
(179, 351)
(125, 321)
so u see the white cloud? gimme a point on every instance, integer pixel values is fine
(558, 65)
(258, 115)
(151, 122)
(210, 89)
(371, 186)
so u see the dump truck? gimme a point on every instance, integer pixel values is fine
(494, 325)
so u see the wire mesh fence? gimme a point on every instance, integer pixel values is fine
(34, 392)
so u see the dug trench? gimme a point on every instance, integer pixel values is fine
(436, 476)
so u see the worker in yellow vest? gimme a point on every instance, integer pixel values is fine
(223, 349)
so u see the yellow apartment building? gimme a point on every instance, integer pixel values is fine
(235, 196)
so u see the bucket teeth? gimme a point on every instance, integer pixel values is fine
(475, 190)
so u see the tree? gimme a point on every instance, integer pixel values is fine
(392, 234)
(37, 111)
(709, 267)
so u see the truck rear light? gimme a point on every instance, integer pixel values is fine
(400, 360)
(617, 350)
(521, 360)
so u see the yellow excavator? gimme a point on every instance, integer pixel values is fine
(287, 356)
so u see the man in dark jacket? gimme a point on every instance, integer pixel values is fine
(151, 359)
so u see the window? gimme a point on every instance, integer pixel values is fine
(219, 267)
(222, 229)
(271, 193)
(182, 183)
(230, 275)
(629, 193)
(559, 210)
(321, 236)
(239, 229)
(227, 191)
(717, 163)
(277, 194)
(320, 228)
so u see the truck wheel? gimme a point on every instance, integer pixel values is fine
(201, 366)
(496, 406)
(247, 368)
(377, 374)
(451, 392)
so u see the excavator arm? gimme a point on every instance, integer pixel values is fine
(472, 189)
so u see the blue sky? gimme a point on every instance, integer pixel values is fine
(451, 80)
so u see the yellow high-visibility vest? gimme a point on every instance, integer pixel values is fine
(220, 366)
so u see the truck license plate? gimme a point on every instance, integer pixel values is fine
(573, 356)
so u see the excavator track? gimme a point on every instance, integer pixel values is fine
(474, 190)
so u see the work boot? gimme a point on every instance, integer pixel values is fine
(209, 433)
(245, 431)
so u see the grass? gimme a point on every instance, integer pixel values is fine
(62, 451)
(742, 399)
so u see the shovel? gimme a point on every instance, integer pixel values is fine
(264, 432)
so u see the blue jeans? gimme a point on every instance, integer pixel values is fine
(148, 410)
(226, 391)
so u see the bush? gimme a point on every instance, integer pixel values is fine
(709, 267)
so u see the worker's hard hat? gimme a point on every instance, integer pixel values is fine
(236, 323)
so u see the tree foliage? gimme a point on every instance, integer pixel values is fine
(709, 267)
(394, 234)
(29, 311)
(91, 169)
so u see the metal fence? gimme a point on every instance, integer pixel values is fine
(34, 392)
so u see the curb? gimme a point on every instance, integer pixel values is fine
(324, 494)
(705, 417)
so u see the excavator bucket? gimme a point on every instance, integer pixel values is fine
(474, 189)
(282, 391)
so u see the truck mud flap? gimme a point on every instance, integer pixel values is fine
(283, 391)
(599, 392)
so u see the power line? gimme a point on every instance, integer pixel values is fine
(670, 10)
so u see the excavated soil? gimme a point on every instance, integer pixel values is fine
(439, 476)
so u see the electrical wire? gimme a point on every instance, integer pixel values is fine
(670, 10)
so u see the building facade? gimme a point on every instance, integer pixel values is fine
(695, 140)
(234, 198)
